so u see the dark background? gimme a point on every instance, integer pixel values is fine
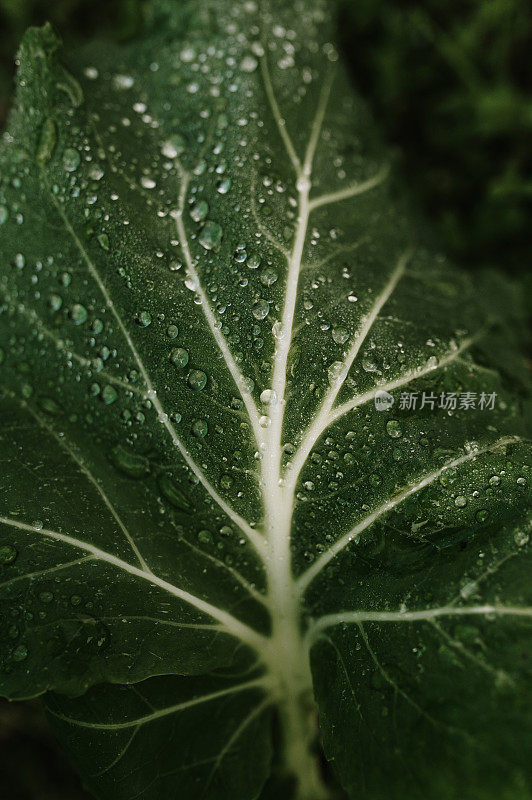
(450, 84)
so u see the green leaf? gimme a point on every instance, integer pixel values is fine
(206, 286)
(208, 734)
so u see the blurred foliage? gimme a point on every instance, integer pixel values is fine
(450, 82)
(31, 765)
(75, 20)
(452, 85)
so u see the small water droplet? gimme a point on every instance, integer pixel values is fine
(200, 428)
(109, 394)
(199, 211)
(47, 142)
(20, 653)
(211, 235)
(143, 319)
(460, 501)
(197, 379)
(71, 159)
(179, 358)
(174, 146)
(78, 314)
(261, 309)
(8, 554)
(393, 429)
(340, 335)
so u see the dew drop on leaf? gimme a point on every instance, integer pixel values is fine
(47, 142)
(179, 358)
(211, 235)
(8, 554)
(393, 429)
(205, 537)
(109, 394)
(197, 379)
(200, 429)
(71, 159)
(78, 314)
(199, 211)
(143, 319)
(20, 653)
(174, 146)
(261, 309)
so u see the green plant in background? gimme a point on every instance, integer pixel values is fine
(217, 552)
(452, 84)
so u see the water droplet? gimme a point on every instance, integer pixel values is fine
(521, 538)
(340, 335)
(109, 394)
(4, 214)
(75, 599)
(197, 379)
(128, 462)
(224, 185)
(71, 159)
(211, 235)
(55, 302)
(172, 493)
(375, 479)
(268, 397)
(174, 146)
(482, 515)
(123, 81)
(265, 421)
(249, 64)
(205, 537)
(8, 554)
(172, 331)
(103, 241)
(336, 371)
(199, 211)
(20, 653)
(261, 309)
(494, 480)
(47, 142)
(253, 261)
(179, 358)
(143, 319)
(46, 597)
(393, 429)
(78, 314)
(147, 182)
(200, 428)
(460, 501)
(268, 277)
(20, 261)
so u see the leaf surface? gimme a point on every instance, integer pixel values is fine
(206, 284)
